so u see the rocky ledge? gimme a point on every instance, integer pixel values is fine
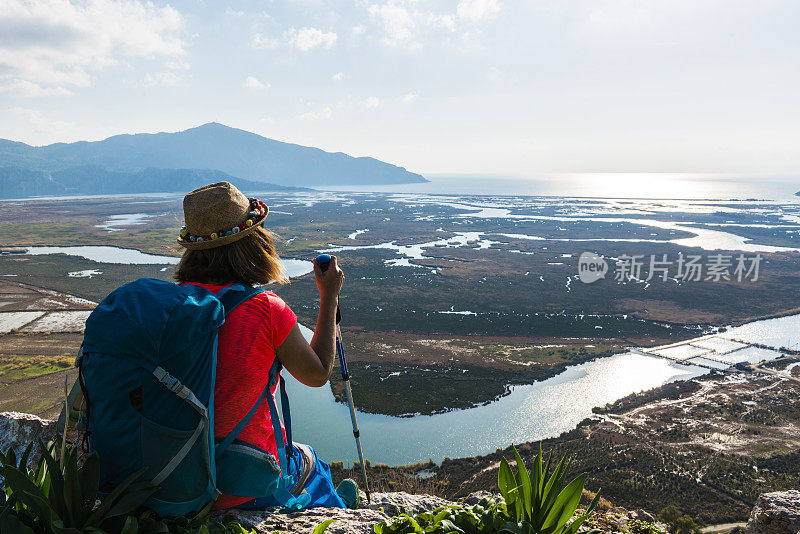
(381, 507)
(386, 505)
(774, 513)
(17, 430)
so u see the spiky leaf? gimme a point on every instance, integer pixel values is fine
(506, 482)
(526, 490)
(564, 506)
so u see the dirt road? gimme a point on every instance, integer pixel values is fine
(722, 528)
(40, 395)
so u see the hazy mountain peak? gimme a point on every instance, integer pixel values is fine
(236, 152)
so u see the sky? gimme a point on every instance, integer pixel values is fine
(513, 88)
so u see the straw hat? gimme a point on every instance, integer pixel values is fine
(219, 214)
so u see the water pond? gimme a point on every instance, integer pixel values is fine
(127, 256)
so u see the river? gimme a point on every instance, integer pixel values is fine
(529, 413)
(107, 254)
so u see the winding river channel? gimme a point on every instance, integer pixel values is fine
(529, 413)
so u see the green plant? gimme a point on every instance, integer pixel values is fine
(201, 523)
(50, 499)
(669, 514)
(685, 525)
(539, 503)
(532, 503)
(322, 527)
(637, 526)
(484, 518)
(679, 523)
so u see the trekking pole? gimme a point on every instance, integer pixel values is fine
(324, 261)
(67, 408)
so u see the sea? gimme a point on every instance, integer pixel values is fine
(634, 185)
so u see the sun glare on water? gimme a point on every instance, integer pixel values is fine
(650, 185)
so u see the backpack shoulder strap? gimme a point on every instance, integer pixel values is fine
(285, 448)
(231, 297)
(236, 294)
(273, 372)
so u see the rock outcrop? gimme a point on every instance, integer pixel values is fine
(381, 507)
(17, 430)
(345, 521)
(776, 513)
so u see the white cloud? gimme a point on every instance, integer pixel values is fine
(168, 79)
(63, 43)
(304, 39)
(397, 22)
(36, 122)
(230, 12)
(338, 77)
(442, 21)
(359, 29)
(261, 41)
(177, 65)
(411, 23)
(410, 97)
(322, 114)
(251, 82)
(475, 10)
(372, 102)
(307, 38)
(24, 88)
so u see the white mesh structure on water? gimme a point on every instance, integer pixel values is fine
(714, 351)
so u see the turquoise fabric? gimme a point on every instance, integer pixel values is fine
(133, 420)
(140, 419)
(317, 491)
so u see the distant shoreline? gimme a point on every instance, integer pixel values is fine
(599, 186)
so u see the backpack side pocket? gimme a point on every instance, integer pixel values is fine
(160, 444)
(244, 470)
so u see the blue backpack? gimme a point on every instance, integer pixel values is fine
(147, 369)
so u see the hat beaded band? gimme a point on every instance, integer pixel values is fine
(258, 210)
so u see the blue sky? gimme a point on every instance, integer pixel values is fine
(463, 86)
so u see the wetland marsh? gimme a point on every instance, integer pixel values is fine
(453, 305)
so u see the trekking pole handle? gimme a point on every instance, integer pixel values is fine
(324, 261)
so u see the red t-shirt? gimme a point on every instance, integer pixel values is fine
(245, 353)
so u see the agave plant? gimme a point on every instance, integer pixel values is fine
(535, 502)
(539, 502)
(201, 523)
(49, 499)
(9, 521)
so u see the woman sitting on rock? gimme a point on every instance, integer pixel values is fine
(258, 331)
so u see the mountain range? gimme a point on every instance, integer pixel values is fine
(16, 182)
(166, 162)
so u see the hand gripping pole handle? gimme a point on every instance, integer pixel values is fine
(324, 261)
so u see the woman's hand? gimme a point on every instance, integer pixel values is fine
(330, 282)
(312, 363)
